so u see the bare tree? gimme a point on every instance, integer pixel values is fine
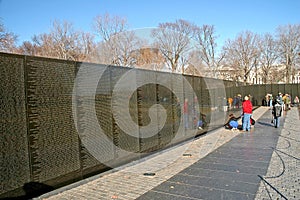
(62, 42)
(106, 26)
(242, 53)
(117, 43)
(149, 58)
(119, 49)
(276, 74)
(206, 43)
(289, 47)
(65, 40)
(126, 43)
(173, 40)
(195, 64)
(28, 48)
(7, 40)
(86, 47)
(268, 49)
(43, 45)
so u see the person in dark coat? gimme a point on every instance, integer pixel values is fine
(276, 111)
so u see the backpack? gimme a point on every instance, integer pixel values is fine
(277, 110)
(252, 121)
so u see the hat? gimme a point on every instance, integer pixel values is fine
(279, 93)
(246, 98)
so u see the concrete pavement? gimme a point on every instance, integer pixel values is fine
(224, 164)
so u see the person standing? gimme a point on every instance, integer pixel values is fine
(271, 100)
(225, 104)
(296, 101)
(288, 102)
(280, 99)
(277, 110)
(247, 112)
(230, 101)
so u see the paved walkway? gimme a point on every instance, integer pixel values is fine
(260, 164)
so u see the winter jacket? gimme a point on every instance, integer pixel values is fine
(247, 107)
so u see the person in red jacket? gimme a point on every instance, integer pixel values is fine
(247, 112)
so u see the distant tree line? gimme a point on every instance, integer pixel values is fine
(180, 46)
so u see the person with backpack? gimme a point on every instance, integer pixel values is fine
(277, 111)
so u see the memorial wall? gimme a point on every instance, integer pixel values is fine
(63, 121)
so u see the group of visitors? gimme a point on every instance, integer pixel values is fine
(247, 120)
(234, 102)
(285, 99)
(278, 104)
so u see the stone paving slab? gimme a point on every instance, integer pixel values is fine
(282, 180)
(231, 158)
(129, 182)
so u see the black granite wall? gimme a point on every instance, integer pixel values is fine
(63, 121)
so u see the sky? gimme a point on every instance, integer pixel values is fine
(27, 18)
